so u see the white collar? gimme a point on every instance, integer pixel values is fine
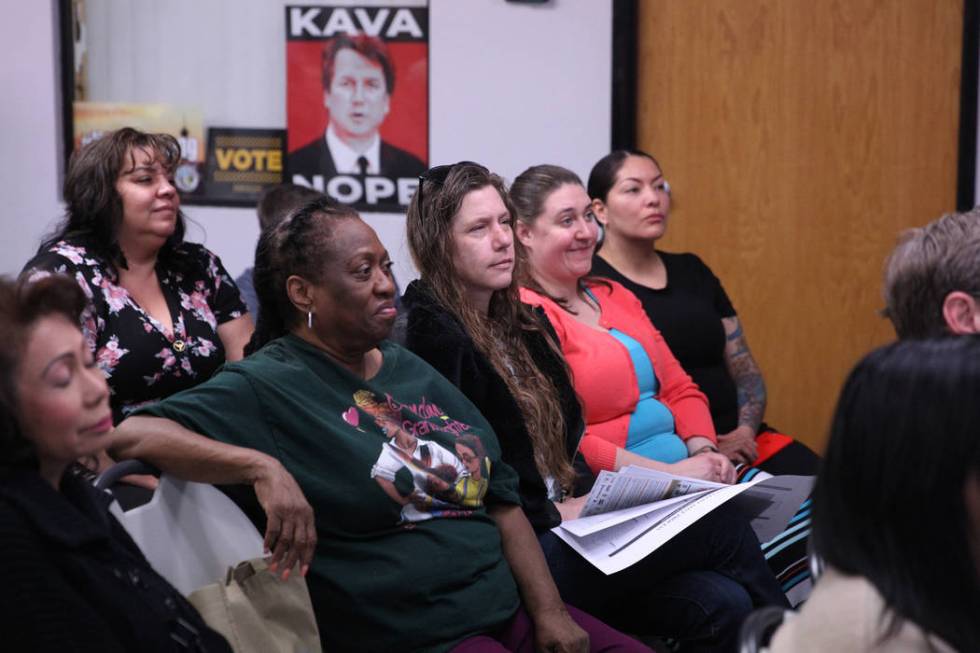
(345, 158)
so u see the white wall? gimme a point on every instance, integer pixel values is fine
(510, 86)
(30, 131)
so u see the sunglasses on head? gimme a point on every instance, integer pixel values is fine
(438, 174)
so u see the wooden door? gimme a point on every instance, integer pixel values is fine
(800, 137)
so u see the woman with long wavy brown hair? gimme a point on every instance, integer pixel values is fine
(465, 318)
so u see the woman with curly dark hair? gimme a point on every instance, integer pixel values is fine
(163, 314)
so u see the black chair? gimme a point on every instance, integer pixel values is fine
(759, 627)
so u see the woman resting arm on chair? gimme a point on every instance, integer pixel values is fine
(419, 546)
(74, 579)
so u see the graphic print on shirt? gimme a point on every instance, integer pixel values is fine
(431, 464)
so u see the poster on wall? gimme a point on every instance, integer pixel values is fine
(241, 163)
(357, 108)
(186, 124)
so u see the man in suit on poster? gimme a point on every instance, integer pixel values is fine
(358, 79)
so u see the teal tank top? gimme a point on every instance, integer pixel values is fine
(651, 429)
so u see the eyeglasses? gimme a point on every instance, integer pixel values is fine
(439, 174)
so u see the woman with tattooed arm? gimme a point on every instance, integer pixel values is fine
(688, 305)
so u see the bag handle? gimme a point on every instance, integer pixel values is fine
(245, 570)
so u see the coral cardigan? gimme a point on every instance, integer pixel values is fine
(604, 378)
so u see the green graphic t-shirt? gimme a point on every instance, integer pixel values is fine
(399, 470)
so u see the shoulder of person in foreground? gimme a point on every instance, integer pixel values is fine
(845, 613)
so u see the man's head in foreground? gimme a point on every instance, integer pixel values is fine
(932, 278)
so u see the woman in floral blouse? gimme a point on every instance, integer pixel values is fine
(163, 314)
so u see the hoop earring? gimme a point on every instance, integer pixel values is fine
(309, 319)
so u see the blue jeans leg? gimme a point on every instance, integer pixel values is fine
(705, 610)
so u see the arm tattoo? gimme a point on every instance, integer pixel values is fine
(736, 334)
(751, 387)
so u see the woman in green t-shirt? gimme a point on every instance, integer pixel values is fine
(408, 549)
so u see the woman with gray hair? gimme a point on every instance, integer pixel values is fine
(932, 278)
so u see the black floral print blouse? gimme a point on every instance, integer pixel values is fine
(141, 360)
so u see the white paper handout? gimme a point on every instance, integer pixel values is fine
(633, 512)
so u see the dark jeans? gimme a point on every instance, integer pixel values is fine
(697, 588)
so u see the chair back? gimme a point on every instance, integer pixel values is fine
(759, 627)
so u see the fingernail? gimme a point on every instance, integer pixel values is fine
(273, 565)
(303, 570)
(285, 575)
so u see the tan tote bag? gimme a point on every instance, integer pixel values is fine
(257, 612)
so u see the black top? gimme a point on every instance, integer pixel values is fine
(141, 361)
(440, 339)
(75, 581)
(688, 312)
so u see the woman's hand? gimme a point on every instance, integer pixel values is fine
(290, 530)
(290, 533)
(571, 508)
(709, 466)
(556, 631)
(739, 445)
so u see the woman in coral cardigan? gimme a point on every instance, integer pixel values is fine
(463, 316)
(641, 407)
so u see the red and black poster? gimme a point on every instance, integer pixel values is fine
(357, 102)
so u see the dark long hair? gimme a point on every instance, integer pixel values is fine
(499, 336)
(603, 175)
(22, 304)
(889, 501)
(93, 208)
(298, 245)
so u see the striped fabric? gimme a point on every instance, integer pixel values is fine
(787, 553)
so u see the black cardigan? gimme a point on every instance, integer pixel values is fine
(439, 338)
(75, 581)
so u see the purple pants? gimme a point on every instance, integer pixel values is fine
(517, 636)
